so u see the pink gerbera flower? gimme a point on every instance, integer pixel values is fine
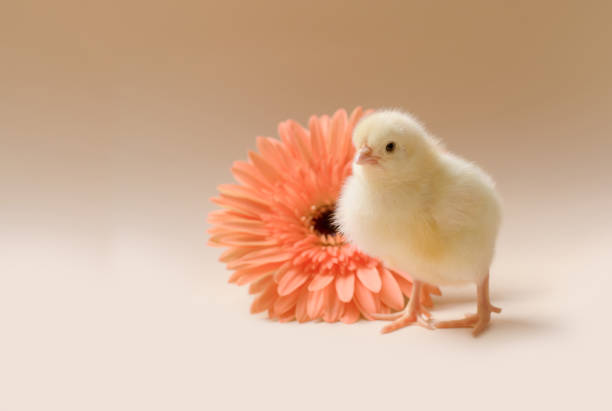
(277, 227)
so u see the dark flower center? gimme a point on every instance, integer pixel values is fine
(323, 222)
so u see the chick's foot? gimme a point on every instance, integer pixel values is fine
(414, 318)
(413, 314)
(481, 319)
(478, 321)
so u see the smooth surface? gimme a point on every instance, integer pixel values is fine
(118, 121)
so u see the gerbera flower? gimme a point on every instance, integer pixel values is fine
(277, 227)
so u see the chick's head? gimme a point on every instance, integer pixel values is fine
(392, 146)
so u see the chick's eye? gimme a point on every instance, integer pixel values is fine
(390, 147)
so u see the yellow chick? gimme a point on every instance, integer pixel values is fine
(421, 210)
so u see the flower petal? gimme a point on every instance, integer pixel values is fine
(265, 253)
(286, 302)
(365, 298)
(334, 308)
(248, 227)
(390, 292)
(432, 289)
(220, 236)
(302, 142)
(265, 168)
(285, 133)
(349, 150)
(257, 270)
(351, 313)
(324, 123)
(320, 281)
(370, 278)
(401, 274)
(426, 298)
(291, 281)
(248, 175)
(266, 148)
(241, 204)
(233, 253)
(286, 317)
(278, 258)
(355, 116)
(404, 285)
(317, 141)
(301, 313)
(264, 300)
(249, 278)
(316, 299)
(223, 215)
(260, 284)
(244, 242)
(345, 286)
(336, 134)
(426, 291)
(242, 192)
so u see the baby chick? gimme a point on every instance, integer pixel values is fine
(421, 210)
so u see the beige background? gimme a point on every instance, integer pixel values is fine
(118, 120)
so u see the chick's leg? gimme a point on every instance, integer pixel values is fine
(414, 313)
(481, 319)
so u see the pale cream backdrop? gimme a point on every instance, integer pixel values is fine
(119, 119)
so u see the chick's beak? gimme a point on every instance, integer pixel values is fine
(365, 156)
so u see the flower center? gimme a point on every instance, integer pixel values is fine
(323, 222)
